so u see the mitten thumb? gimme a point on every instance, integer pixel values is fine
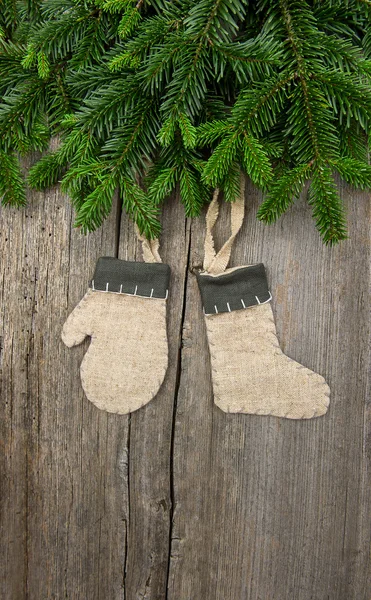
(79, 323)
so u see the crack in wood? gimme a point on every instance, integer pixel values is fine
(188, 235)
(127, 520)
(118, 202)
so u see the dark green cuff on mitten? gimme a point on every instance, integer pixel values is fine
(244, 287)
(150, 280)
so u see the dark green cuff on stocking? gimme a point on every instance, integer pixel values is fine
(244, 287)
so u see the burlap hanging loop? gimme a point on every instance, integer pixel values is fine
(216, 263)
(150, 248)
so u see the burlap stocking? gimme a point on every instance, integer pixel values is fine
(250, 373)
(124, 312)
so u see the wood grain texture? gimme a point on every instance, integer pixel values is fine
(61, 526)
(180, 501)
(151, 428)
(269, 508)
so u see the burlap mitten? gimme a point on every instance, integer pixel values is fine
(250, 373)
(124, 312)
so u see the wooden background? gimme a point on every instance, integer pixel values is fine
(180, 501)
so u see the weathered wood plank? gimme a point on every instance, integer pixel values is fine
(93, 504)
(61, 525)
(151, 428)
(267, 508)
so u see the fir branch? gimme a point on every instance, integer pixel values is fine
(197, 90)
(283, 192)
(158, 65)
(231, 183)
(129, 20)
(150, 34)
(255, 161)
(45, 173)
(96, 206)
(18, 111)
(9, 16)
(309, 99)
(222, 159)
(105, 108)
(342, 55)
(258, 107)
(134, 141)
(43, 65)
(355, 172)
(36, 139)
(318, 139)
(208, 21)
(58, 38)
(192, 191)
(140, 208)
(163, 184)
(12, 189)
(350, 98)
(207, 133)
(328, 210)
(188, 86)
(92, 46)
(353, 142)
(90, 80)
(252, 59)
(167, 132)
(187, 130)
(216, 20)
(114, 6)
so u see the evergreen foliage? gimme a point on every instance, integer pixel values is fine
(186, 93)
